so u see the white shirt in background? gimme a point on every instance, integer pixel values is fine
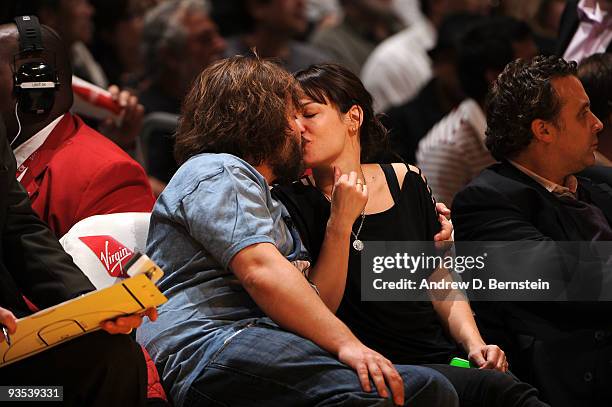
(399, 66)
(454, 152)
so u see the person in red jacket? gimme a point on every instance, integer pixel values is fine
(69, 170)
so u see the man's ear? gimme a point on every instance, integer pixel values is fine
(543, 131)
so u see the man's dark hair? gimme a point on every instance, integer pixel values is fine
(595, 73)
(522, 93)
(487, 46)
(237, 106)
(335, 84)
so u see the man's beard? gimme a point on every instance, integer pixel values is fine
(287, 165)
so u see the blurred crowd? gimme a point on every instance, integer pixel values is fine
(406, 52)
(488, 106)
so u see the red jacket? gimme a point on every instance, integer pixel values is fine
(78, 173)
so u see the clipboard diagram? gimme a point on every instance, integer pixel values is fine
(79, 316)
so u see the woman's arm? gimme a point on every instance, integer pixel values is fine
(455, 312)
(452, 307)
(330, 271)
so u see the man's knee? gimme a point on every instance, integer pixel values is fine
(427, 387)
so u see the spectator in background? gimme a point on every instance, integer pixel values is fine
(409, 122)
(72, 19)
(595, 73)
(365, 24)
(453, 152)
(179, 40)
(274, 24)
(400, 65)
(542, 131)
(117, 38)
(544, 18)
(230, 16)
(50, 146)
(409, 11)
(586, 29)
(322, 14)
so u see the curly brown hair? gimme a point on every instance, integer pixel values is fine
(522, 93)
(239, 106)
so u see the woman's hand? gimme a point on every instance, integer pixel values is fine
(125, 325)
(348, 200)
(489, 357)
(446, 231)
(372, 365)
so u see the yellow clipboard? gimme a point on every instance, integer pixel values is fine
(71, 319)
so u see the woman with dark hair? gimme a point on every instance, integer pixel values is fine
(341, 133)
(242, 326)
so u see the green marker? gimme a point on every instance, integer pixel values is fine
(459, 362)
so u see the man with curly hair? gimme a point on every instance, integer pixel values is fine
(541, 129)
(242, 325)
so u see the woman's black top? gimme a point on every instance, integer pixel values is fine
(404, 332)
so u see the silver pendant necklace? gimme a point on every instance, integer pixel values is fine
(358, 244)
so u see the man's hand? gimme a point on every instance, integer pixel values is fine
(372, 365)
(9, 321)
(125, 132)
(444, 215)
(489, 357)
(125, 325)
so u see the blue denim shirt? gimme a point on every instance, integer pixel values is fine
(215, 206)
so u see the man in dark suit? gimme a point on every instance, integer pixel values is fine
(541, 129)
(585, 29)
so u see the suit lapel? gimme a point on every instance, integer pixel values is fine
(566, 224)
(601, 195)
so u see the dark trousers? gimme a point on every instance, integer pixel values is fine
(487, 388)
(96, 369)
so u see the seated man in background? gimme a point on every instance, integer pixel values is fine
(241, 313)
(179, 39)
(69, 170)
(364, 25)
(97, 369)
(542, 130)
(274, 25)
